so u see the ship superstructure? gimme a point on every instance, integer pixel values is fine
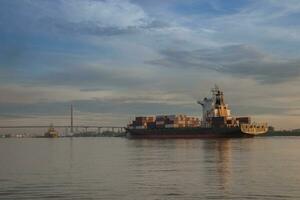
(214, 109)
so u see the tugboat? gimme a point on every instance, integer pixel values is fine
(217, 122)
(51, 133)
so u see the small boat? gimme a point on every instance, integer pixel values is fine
(51, 133)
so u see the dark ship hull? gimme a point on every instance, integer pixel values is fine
(198, 132)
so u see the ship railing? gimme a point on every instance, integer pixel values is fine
(254, 128)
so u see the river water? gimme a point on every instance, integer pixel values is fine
(118, 168)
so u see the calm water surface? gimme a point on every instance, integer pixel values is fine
(117, 168)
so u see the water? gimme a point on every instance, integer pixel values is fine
(117, 168)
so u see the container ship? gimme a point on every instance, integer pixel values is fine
(216, 122)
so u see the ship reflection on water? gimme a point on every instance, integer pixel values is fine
(219, 154)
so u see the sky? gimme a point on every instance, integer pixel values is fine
(117, 59)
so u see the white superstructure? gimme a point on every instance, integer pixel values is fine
(214, 107)
(207, 110)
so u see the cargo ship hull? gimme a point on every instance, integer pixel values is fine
(198, 132)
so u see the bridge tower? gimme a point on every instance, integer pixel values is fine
(71, 118)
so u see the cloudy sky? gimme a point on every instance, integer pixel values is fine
(116, 59)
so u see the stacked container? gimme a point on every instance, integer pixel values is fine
(181, 121)
(244, 120)
(139, 123)
(164, 121)
(192, 122)
(151, 122)
(160, 121)
(219, 122)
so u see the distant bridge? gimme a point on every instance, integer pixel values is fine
(84, 128)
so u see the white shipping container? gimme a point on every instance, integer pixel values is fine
(160, 116)
(171, 117)
(160, 122)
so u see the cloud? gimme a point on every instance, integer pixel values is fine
(82, 71)
(235, 60)
(89, 77)
(105, 13)
(102, 18)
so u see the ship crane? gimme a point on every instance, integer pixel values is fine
(207, 110)
(200, 102)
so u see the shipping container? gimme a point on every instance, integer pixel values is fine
(151, 125)
(150, 119)
(160, 122)
(171, 117)
(140, 118)
(243, 120)
(137, 123)
(219, 121)
(171, 126)
(160, 126)
(160, 117)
